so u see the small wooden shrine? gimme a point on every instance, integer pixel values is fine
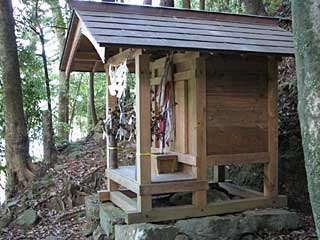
(224, 80)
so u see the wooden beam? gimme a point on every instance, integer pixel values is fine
(231, 159)
(89, 61)
(240, 191)
(199, 198)
(177, 58)
(217, 208)
(172, 187)
(182, 76)
(271, 169)
(104, 195)
(155, 81)
(88, 55)
(143, 129)
(124, 55)
(181, 111)
(125, 203)
(182, 157)
(123, 180)
(110, 104)
(74, 47)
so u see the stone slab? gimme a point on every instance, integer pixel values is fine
(145, 231)
(109, 217)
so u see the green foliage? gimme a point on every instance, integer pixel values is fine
(232, 6)
(33, 89)
(272, 6)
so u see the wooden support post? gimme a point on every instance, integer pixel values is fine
(110, 104)
(104, 195)
(143, 162)
(199, 198)
(271, 168)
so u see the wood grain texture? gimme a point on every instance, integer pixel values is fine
(218, 208)
(125, 203)
(181, 99)
(199, 198)
(271, 169)
(240, 158)
(237, 104)
(178, 186)
(143, 138)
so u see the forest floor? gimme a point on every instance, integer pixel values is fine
(57, 197)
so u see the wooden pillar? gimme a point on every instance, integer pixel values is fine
(143, 141)
(199, 198)
(202, 4)
(271, 169)
(110, 104)
(185, 3)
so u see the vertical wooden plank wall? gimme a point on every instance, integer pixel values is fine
(143, 141)
(110, 104)
(271, 168)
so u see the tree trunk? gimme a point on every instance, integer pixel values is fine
(255, 7)
(202, 4)
(47, 83)
(49, 149)
(89, 112)
(74, 105)
(91, 100)
(167, 3)
(16, 138)
(147, 2)
(185, 3)
(63, 107)
(306, 25)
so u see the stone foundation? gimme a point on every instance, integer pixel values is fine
(227, 227)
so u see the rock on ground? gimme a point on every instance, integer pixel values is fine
(239, 226)
(28, 218)
(109, 217)
(242, 226)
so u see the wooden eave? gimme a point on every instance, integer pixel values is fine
(79, 52)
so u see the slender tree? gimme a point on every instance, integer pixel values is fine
(16, 137)
(91, 100)
(306, 25)
(63, 107)
(50, 155)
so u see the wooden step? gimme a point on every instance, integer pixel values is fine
(122, 201)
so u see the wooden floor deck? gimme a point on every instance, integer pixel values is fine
(130, 173)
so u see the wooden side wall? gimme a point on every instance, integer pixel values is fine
(237, 109)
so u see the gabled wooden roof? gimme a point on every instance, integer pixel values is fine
(121, 25)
